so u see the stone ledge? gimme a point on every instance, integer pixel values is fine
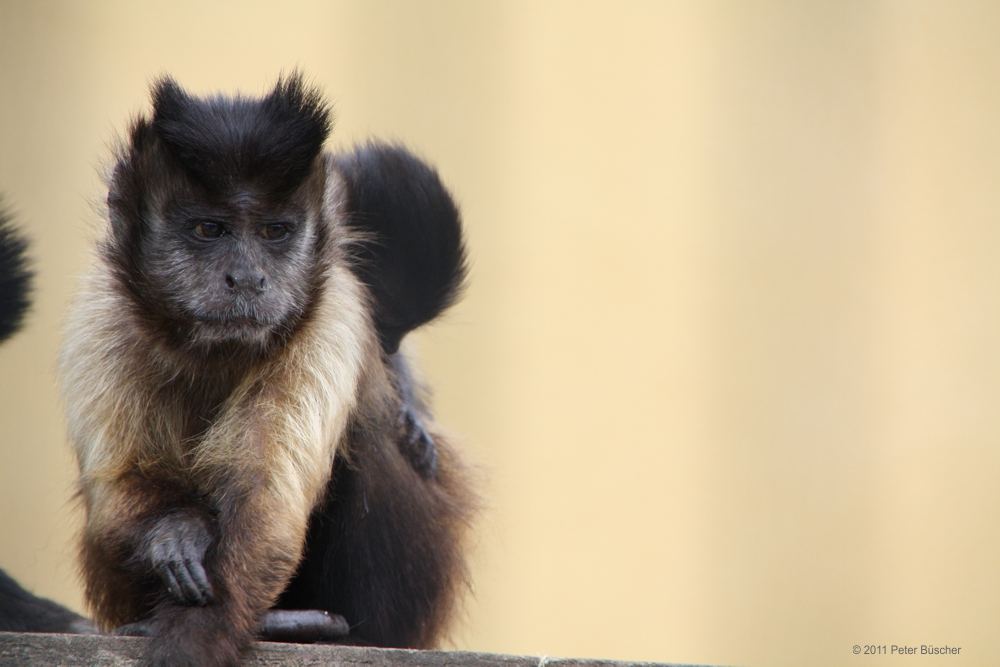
(19, 649)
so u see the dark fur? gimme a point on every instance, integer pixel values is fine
(384, 547)
(15, 277)
(20, 611)
(415, 261)
(226, 143)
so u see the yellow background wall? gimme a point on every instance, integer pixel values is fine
(730, 355)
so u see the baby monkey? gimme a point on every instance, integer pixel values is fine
(247, 430)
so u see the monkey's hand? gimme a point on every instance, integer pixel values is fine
(302, 626)
(175, 550)
(417, 444)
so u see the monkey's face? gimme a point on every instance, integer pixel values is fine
(215, 213)
(233, 270)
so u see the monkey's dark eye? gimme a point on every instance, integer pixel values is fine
(208, 230)
(276, 231)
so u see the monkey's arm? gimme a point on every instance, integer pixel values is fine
(147, 529)
(263, 465)
(141, 548)
(144, 542)
(415, 442)
(120, 438)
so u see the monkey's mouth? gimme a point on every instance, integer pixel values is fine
(235, 321)
(239, 315)
(246, 327)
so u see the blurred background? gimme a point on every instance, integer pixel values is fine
(730, 353)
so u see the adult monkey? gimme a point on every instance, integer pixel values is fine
(233, 387)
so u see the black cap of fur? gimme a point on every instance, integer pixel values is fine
(15, 278)
(414, 261)
(224, 143)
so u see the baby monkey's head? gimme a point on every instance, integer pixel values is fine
(215, 205)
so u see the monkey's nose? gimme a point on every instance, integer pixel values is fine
(245, 282)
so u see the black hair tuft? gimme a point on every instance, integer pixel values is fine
(226, 143)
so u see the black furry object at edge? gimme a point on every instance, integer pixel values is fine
(20, 611)
(15, 277)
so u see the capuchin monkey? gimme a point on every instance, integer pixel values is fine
(247, 430)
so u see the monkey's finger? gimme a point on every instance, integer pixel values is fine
(200, 578)
(171, 583)
(192, 594)
(193, 555)
(425, 451)
(432, 463)
(174, 574)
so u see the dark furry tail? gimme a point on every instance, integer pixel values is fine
(414, 259)
(15, 277)
(20, 611)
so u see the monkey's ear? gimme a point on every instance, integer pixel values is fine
(414, 259)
